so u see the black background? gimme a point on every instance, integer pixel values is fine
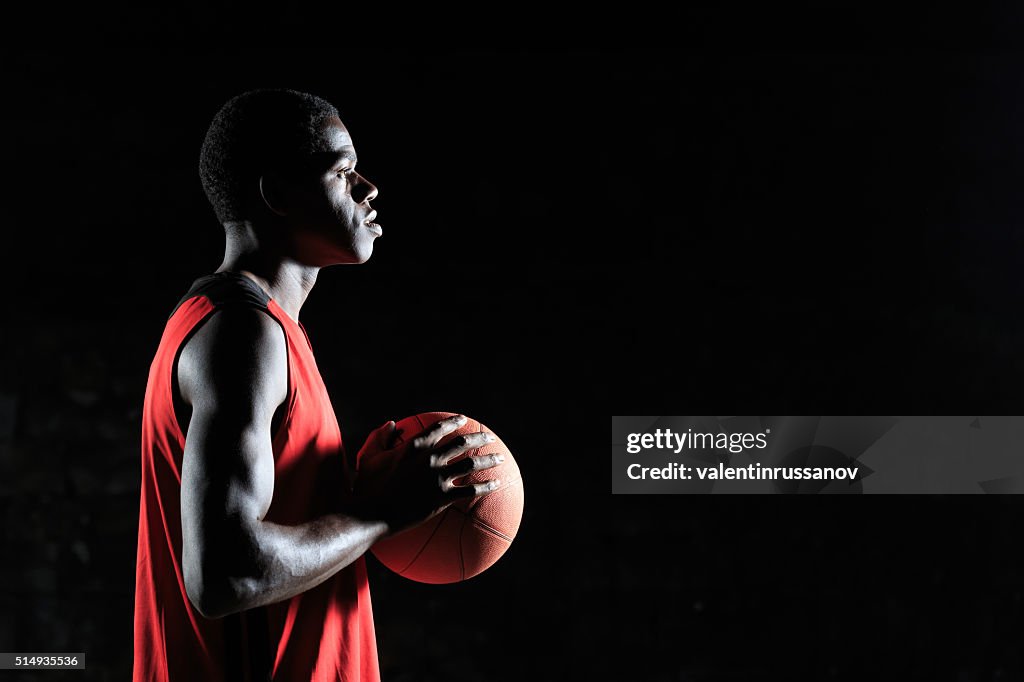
(568, 234)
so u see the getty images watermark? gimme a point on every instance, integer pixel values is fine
(666, 440)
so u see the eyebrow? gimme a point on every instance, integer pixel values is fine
(331, 158)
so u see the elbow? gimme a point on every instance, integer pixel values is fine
(206, 599)
(214, 597)
(218, 582)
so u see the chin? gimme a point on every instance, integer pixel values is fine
(326, 254)
(363, 248)
(356, 256)
(361, 259)
(361, 252)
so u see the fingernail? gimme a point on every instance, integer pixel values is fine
(501, 458)
(495, 483)
(461, 419)
(489, 437)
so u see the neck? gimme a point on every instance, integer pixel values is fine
(285, 280)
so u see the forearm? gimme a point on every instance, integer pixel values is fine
(283, 561)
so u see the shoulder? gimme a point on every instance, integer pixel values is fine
(227, 289)
(238, 350)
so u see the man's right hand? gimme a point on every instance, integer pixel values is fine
(408, 484)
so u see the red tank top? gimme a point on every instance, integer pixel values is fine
(323, 634)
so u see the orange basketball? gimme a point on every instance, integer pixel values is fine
(469, 535)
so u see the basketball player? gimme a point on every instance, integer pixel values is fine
(252, 523)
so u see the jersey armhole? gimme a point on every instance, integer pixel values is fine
(290, 393)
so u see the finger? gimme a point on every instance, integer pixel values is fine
(473, 463)
(435, 433)
(384, 435)
(475, 490)
(459, 445)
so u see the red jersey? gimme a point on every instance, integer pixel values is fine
(323, 634)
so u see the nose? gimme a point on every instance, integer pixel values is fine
(366, 189)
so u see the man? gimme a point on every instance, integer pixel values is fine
(252, 524)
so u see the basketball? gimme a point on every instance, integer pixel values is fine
(470, 535)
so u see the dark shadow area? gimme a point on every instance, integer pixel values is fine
(610, 232)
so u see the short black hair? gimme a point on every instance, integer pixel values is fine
(251, 133)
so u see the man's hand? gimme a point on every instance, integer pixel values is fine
(408, 484)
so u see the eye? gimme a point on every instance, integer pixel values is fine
(346, 172)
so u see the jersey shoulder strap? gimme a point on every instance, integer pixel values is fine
(226, 289)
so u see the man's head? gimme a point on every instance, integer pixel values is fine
(284, 162)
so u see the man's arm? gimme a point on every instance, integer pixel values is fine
(233, 372)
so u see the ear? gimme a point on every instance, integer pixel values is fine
(272, 192)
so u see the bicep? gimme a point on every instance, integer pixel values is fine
(233, 372)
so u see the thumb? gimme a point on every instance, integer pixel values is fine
(383, 435)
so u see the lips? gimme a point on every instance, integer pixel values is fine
(372, 226)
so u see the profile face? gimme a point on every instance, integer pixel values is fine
(329, 210)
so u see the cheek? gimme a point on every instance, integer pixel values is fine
(344, 209)
(341, 205)
(328, 208)
(329, 197)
